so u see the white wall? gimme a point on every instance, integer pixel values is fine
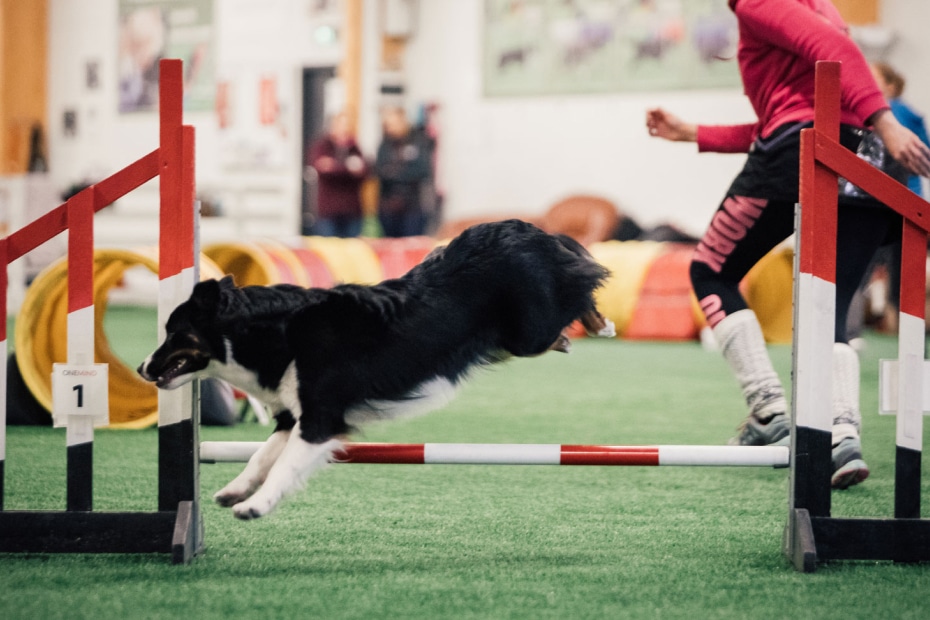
(520, 155)
(910, 54)
(498, 155)
(251, 38)
(506, 155)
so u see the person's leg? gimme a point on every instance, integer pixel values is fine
(390, 224)
(413, 223)
(742, 231)
(324, 227)
(860, 232)
(353, 226)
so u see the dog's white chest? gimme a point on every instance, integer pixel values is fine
(282, 396)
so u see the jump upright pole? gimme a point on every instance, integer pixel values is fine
(812, 534)
(524, 454)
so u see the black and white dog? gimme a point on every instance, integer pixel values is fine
(326, 360)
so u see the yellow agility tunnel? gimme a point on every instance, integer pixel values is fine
(40, 337)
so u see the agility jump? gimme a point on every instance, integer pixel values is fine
(812, 535)
(523, 454)
(176, 527)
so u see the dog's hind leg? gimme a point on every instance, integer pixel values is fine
(596, 324)
(299, 460)
(255, 472)
(563, 344)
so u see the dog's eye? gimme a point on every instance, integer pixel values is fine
(182, 339)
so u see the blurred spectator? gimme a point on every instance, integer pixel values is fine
(403, 170)
(341, 169)
(892, 85)
(888, 258)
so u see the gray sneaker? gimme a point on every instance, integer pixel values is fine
(848, 466)
(776, 431)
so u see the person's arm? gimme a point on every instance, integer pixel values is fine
(665, 125)
(327, 165)
(902, 143)
(920, 128)
(709, 138)
(321, 158)
(406, 166)
(726, 138)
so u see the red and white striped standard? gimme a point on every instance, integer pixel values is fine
(524, 454)
(823, 159)
(177, 270)
(178, 247)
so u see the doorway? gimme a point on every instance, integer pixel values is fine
(313, 124)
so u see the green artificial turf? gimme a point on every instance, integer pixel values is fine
(406, 541)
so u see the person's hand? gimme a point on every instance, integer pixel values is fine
(662, 124)
(902, 143)
(325, 164)
(355, 164)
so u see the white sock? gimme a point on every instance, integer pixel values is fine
(743, 346)
(847, 418)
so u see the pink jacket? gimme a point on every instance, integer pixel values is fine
(779, 42)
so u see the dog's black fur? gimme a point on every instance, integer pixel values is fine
(498, 290)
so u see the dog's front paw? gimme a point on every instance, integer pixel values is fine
(253, 508)
(233, 494)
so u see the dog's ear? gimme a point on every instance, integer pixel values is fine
(206, 295)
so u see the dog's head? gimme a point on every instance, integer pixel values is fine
(191, 338)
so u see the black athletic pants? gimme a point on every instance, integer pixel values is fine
(758, 214)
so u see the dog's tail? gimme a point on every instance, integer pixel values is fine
(587, 272)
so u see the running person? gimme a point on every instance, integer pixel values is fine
(779, 43)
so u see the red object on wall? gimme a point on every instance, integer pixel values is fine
(223, 104)
(268, 101)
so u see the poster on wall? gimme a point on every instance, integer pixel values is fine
(150, 30)
(544, 47)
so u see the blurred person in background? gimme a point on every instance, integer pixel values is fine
(403, 170)
(892, 85)
(341, 169)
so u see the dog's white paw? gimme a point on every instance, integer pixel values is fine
(253, 508)
(233, 493)
(609, 330)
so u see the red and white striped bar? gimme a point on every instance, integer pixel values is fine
(524, 454)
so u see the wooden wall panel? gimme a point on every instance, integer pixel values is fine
(23, 77)
(350, 70)
(859, 12)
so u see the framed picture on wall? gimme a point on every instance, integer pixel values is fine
(542, 47)
(150, 30)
